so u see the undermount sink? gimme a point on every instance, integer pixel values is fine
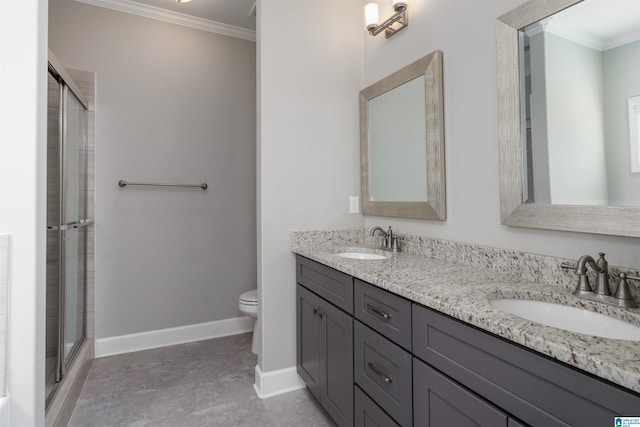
(569, 318)
(361, 255)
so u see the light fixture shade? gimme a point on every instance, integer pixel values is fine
(371, 15)
(399, 3)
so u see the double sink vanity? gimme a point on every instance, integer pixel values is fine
(428, 337)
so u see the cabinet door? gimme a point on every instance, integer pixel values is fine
(439, 401)
(308, 328)
(336, 368)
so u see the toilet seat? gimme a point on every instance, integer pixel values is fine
(249, 298)
(248, 305)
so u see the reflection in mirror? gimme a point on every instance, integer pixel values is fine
(581, 71)
(402, 143)
(567, 77)
(397, 144)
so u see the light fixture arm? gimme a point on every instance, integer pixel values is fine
(399, 18)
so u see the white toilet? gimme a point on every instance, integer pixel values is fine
(248, 305)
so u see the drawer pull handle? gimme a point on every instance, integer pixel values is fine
(318, 312)
(379, 373)
(374, 310)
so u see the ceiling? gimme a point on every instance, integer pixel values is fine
(230, 12)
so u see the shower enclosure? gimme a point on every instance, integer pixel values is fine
(67, 225)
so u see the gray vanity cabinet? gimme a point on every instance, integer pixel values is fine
(325, 342)
(402, 364)
(537, 390)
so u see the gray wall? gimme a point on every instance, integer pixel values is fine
(538, 131)
(574, 98)
(465, 32)
(621, 82)
(173, 104)
(310, 72)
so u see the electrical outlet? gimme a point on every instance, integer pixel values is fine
(354, 204)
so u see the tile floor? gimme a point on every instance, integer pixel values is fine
(205, 383)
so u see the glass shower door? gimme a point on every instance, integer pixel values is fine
(66, 230)
(54, 235)
(74, 208)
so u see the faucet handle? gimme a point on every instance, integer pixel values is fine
(602, 263)
(395, 244)
(602, 283)
(623, 294)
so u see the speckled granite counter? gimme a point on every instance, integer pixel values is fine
(464, 291)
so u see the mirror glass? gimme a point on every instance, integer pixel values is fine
(580, 104)
(568, 113)
(402, 142)
(397, 144)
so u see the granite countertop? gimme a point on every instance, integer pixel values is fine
(463, 292)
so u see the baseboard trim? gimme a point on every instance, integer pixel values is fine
(164, 337)
(269, 384)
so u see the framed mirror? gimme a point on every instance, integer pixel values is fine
(567, 81)
(402, 143)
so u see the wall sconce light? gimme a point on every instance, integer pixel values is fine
(392, 25)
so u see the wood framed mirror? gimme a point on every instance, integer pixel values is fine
(576, 191)
(402, 143)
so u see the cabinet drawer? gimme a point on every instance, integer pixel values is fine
(520, 381)
(439, 401)
(383, 370)
(332, 285)
(367, 413)
(388, 314)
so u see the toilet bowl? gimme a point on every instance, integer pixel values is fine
(248, 305)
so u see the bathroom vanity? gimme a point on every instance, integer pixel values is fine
(412, 340)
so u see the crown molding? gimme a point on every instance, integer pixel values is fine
(178, 18)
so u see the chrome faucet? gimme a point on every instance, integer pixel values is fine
(390, 242)
(601, 292)
(602, 269)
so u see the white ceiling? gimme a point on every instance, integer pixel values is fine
(230, 12)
